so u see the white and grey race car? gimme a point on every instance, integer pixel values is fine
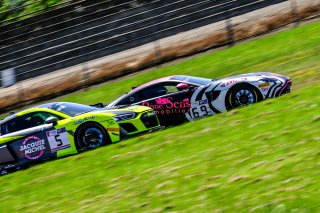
(178, 98)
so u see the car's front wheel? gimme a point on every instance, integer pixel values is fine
(241, 95)
(90, 136)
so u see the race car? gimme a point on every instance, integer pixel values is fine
(179, 98)
(58, 129)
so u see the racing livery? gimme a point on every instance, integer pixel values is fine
(58, 129)
(178, 98)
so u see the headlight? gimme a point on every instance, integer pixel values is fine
(124, 117)
(151, 113)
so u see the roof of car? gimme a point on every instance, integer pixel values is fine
(151, 83)
(46, 106)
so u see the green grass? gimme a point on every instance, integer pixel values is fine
(261, 158)
(14, 10)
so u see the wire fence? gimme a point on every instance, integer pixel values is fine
(46, 48)
(141, 35)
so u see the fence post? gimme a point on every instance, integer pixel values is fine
(229, 28)
(157, 50)
(294, 12)
(85, 76)
(20, 92)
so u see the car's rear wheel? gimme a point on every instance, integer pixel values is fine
(241, 95)
(91, 135)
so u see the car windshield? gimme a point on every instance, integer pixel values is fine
(192, 80)
(72, 109)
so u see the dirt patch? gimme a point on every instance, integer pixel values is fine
(187, 47)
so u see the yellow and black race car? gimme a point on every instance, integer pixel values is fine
(58, 129)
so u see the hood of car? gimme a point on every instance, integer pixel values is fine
(259, 75)
(125, 110)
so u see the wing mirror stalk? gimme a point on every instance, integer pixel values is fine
(52, 120)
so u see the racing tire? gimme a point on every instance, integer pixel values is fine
(242, 95)
(90, 136)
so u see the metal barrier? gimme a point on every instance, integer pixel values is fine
(51, 48)
(126, 36)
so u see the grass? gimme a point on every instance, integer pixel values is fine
(11, 11)
(262, 158)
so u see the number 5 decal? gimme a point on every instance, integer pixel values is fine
(58, 139)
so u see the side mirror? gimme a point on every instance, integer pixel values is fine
(182, 86)
(98, 105)
(51, 120)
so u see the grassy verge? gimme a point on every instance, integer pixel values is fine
(11, 11)
(262, 158)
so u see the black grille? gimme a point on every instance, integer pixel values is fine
(149, 119)
(128, 127)
(288, 88)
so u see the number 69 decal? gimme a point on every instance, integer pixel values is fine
(199, 111)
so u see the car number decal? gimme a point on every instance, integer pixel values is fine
(199, 111)
(200, 105)
(58, 139)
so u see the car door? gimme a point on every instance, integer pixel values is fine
(167, 101)
(27, 138)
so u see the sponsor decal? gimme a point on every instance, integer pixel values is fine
(33, 147)
(228, 83)
(83, 120)
(58, 139)
(113, 129)
(168, 106)
(111, 122)
(266, 84)
(202, 102)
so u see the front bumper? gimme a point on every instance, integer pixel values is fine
(286, 88)
(144, 121)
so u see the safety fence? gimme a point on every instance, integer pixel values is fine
(53, 44)
(90, 43)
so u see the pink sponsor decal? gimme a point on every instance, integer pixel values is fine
(33, 147)
(228, 83)
(166, 105)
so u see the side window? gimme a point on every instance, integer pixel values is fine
(4, 129)
(171, 88)
(159, 90)
(26, 121)
(134, 98)
(150, 92)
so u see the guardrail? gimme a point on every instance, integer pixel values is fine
(55, 44)
(122, 37)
